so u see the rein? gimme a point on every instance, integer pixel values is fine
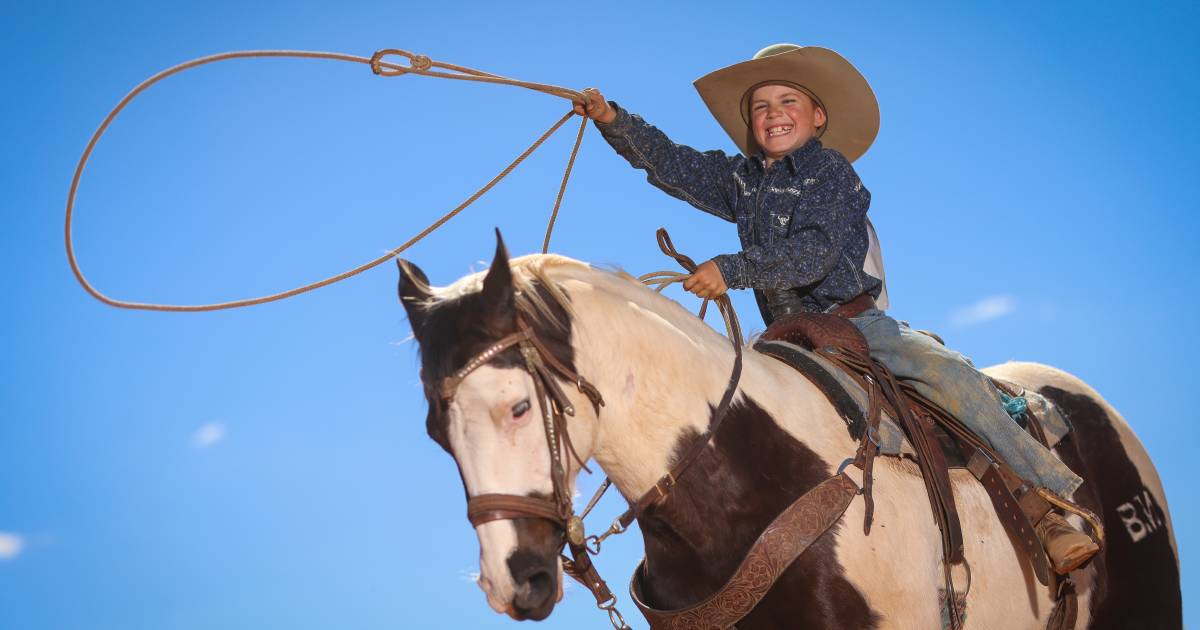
(418, 64)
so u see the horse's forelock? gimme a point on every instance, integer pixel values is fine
(539, 298)
(451, 333)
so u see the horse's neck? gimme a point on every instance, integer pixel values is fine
(662, 372)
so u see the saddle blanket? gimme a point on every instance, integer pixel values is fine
(892, 438)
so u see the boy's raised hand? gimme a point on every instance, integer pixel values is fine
(596, 107)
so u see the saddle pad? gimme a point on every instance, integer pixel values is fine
(892, 439)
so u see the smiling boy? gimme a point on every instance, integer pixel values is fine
(800, 116)
(796, 257)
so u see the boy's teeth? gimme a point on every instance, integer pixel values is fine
(778, 131)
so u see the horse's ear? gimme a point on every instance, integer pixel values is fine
(414, 292)
(498, 293)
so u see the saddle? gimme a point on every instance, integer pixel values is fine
(939, 441)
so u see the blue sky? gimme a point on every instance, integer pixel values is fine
(268, 468)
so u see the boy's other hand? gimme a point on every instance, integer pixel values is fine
(596, 107)
(707, 281)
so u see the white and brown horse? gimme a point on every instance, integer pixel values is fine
(661, 371)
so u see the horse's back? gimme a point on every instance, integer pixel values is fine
(1134, 583)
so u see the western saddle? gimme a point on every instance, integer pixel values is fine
(939, 442)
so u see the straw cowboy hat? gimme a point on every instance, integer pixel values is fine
(850, 107)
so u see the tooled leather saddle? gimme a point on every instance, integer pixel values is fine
(940, 441)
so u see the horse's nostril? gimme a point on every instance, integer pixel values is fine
(535, 596)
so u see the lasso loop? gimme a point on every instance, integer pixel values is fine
(418, 64)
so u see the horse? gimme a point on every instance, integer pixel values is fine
(661, 370)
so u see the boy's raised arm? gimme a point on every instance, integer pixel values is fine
(700, 178)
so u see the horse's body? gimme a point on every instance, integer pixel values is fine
(661, 371)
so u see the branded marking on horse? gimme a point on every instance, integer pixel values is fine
(1141, 516)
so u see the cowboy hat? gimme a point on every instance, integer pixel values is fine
(834, 84)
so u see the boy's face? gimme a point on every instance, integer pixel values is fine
(782, 119)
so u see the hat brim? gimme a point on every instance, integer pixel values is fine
(851, 110)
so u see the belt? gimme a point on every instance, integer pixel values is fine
(853, 308)
(784, 302)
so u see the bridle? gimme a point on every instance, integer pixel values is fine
(543, 367)
(485, 508)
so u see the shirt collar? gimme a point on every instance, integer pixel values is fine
(793, 159)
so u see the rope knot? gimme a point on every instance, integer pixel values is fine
(416, 63)
(420, 62)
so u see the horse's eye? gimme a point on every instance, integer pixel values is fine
(520, 408)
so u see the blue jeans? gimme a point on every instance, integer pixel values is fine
(949, 379)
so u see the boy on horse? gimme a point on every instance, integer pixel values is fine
(800, 116)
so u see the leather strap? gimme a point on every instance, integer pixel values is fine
(918, 425)
(580, 567)
(855, 307)
(930, 458)
(1066, 606)
(780, 544)
(485, 508)
(868, 450)
(449, 385)
(1008, 509)
(663, 486)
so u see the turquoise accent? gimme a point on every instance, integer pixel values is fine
(949, 379)
(1014, 405)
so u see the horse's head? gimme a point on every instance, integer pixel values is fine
(489, 416)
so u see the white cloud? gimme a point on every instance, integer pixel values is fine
(10, 545)
(987, 309)
(208, 435)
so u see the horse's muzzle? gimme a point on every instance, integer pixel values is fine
(535, 581)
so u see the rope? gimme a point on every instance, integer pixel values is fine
(418, 64)
(563, 187)
(660, 280)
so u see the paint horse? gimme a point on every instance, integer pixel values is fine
(661, 370)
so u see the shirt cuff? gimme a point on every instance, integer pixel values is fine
(733, 270)
(619, 125)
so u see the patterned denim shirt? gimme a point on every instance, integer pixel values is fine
(801, 222)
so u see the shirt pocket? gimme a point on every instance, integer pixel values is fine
(780, 223)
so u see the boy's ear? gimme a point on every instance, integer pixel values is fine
(414, 292)
(498, 294)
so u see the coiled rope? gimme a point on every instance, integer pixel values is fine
(659, 280)
(418, 64)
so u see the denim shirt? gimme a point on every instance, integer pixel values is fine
(801, 221)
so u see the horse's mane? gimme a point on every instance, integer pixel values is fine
(537, 296)
(540, 297)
